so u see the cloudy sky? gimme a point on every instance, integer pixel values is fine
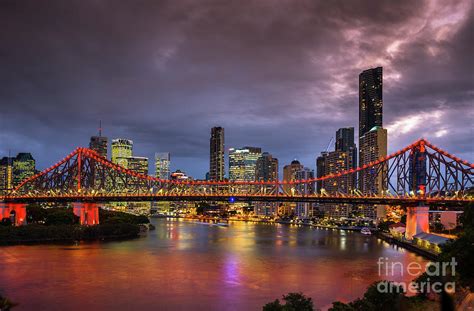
(282, 75)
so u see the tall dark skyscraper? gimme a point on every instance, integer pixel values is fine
(99, 143)
(345, 142)
(370, 100)
(266, 168)
(216, 167)
(345, 139)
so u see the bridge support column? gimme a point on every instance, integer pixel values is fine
(16, 212)
(417, 221)
(88, 213)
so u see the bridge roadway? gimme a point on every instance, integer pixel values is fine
(452, 203)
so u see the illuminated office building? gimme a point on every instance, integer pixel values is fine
(162, 165)
(373, 146)
(243, 162)
(6, 174)
(121, 148)
(24, 167)
(289, 174)
(304, 210)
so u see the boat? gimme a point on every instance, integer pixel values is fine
(221, 224)
(366, 231)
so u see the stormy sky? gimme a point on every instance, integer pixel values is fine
(281, 75)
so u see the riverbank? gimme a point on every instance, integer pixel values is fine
(69, 234)
(406, 245)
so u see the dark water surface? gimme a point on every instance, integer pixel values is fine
(190, 266)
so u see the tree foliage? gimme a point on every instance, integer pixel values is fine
(293, 302)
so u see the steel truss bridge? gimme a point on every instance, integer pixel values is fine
(419, 174)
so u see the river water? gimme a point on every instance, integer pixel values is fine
(184, 265)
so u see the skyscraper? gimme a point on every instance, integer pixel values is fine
(345, 139)
(266, 168)
(99, 143)
(121, 148)
(138, 164)
(320, 169)
(289, 173)
(24, 166)
(345, 143)
(373, 146)
(370, 100)
(243, 162)
(6, 174)
(216, 165)
(304, 210)
(162, 165)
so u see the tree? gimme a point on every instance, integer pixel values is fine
(61, 216)
(293, 302)
(382, 295)
(6, 304)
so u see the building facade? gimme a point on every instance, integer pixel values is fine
(304, 210)
(289, 174)
(24, 166)
(266, 168)
(370, 100)
(373, 146)
(217, 152)
(6, 174)
(99, 144)
(121, 148)
(243, 163)
(162, 165)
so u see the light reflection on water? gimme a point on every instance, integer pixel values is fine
(189, 266)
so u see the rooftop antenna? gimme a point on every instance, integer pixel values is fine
(100, 128)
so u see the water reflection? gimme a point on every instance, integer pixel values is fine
(184, 265)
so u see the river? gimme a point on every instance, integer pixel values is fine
(184, 265)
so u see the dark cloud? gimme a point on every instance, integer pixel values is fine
(282, 75)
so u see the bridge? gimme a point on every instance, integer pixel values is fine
(417, 177)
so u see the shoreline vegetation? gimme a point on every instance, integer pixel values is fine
(60, 225)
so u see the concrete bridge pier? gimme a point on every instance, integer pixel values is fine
(87, 212)
(16, 212)
(417, 221)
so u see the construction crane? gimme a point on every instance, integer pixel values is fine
(329, 145)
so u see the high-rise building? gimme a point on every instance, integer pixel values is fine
(99, 144)
(243, 162)
(345, 139)
(266, 168)
(304, 210)
(216, 167)
(370, 100)
(289, 173)
(138, 164)
(320, 169)
(121, 148)
(6, 174)
(23, 167)
(345, 142)
(336, 162)
(373, 146)
(162, 165)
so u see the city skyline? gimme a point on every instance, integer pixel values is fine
(166, 99)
